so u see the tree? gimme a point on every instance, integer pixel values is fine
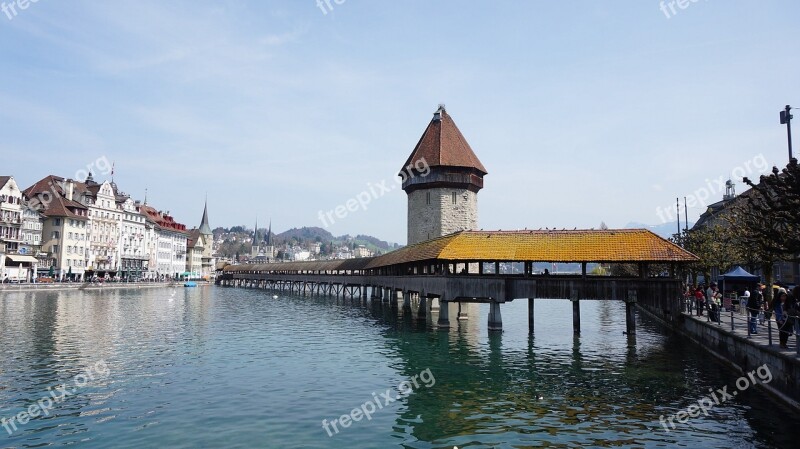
(715, 245)
(771, 212)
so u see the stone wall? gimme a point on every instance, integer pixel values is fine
(742, 354)
(441, 216)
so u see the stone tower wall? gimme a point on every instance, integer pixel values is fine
(440, 216)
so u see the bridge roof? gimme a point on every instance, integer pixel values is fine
(618, 245)
(615, 246)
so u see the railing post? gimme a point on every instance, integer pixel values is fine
(748, 326)
(769, 331)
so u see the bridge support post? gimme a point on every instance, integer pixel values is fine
(530, 315)
(406, 300)
(576, 313)
(630, 311)
(495, 319)
(422, 311)
(462, 314)
(444, 314)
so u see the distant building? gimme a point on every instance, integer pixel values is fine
(362, 251)
(133, 252)
(784, 272)
(16, 265)
(442, 177)
(65, 228)
(200, 249)
(167, 243)
(263, 251)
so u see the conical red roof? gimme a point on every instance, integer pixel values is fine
(443, 145)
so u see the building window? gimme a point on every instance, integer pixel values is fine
(56, 222)
(454, 197)
(55, 235)
(427, 197)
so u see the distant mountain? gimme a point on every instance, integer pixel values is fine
(312, 234)
(665, 230)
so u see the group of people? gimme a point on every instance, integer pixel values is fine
(785, 306)
(709, 299)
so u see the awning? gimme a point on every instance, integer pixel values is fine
(21, 258)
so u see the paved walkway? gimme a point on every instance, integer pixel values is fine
(740, 329)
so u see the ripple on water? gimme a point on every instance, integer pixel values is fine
(212, 367)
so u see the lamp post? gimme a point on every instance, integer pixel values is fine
(786, 119)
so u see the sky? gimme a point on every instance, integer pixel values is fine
(582, 112)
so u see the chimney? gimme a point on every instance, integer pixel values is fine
(437, 116)
(69, 189)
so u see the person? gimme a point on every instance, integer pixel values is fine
(714, 302)
(700, 300)
(796, 295)
(754, 307)
(782, 318)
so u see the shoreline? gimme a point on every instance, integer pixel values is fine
(4, 288)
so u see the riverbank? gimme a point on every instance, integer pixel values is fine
(59, 286)
(731, 344)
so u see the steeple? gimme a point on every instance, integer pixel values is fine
(268, 237)
(204, 227)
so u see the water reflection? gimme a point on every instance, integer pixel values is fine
(211, 367)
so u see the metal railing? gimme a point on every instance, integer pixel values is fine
(739, 316)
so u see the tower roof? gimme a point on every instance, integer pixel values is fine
(204, 227)
(443, 145)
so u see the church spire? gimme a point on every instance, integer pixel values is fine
(204, 227)
(268, 237)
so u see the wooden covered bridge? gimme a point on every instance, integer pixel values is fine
(491, 267)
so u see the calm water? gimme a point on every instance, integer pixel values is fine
(214, 367)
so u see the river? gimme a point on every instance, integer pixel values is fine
(237, 368)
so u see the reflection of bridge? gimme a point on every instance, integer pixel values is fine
(466, 267)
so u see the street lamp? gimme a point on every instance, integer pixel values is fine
(786, 119)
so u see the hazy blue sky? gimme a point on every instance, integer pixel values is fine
(581, 111)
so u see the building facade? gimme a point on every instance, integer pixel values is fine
(65, 227)
(133, 252)
(442, 178)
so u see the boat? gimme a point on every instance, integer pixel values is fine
(190, 284)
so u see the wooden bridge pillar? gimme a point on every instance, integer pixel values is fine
(462, 314)
(422, 311)
(444, 314)
(630, 311)
(530, 315)
(576, 313)
(495, 319)
(406, 300)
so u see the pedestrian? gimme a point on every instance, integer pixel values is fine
(713, 295)
(700, 300)
(782, 308)
(754, 307)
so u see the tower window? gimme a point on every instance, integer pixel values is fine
(454, 197)
(427, 197)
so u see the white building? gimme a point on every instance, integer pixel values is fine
(167, 240)
(133, 251)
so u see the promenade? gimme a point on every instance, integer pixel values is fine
(60, 286)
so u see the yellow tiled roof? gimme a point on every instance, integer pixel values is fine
(619, 245)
